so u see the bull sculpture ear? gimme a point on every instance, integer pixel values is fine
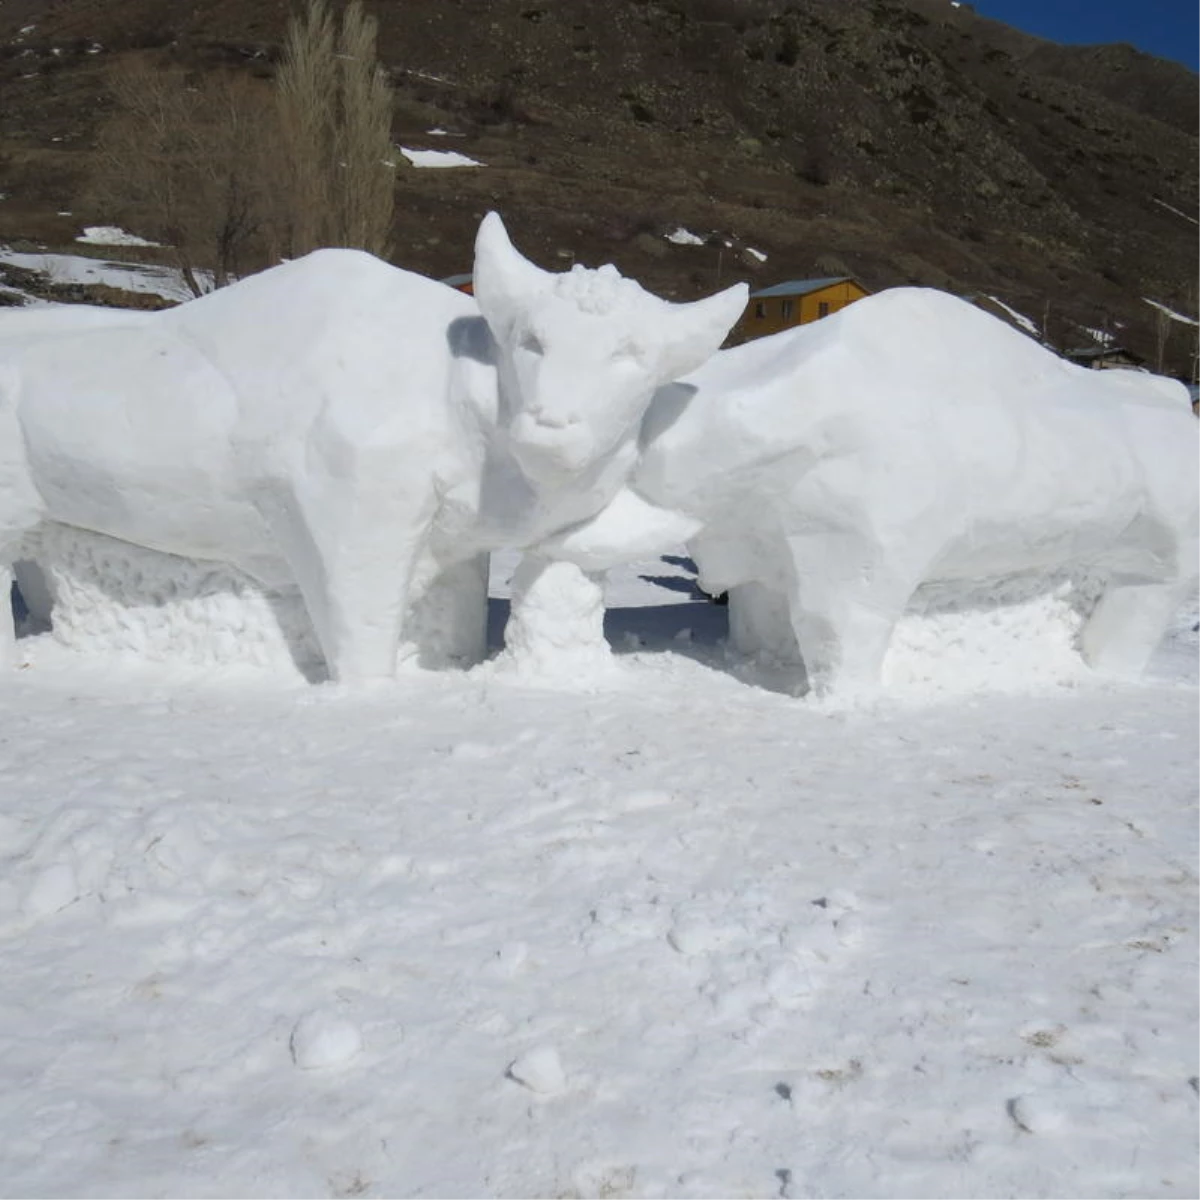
(693, 333)
(504, 278)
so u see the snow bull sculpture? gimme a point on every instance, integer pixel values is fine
(347, 428)
(911, 441)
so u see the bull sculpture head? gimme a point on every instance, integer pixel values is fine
(581, 354)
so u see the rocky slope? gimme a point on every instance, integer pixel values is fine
(895, 140)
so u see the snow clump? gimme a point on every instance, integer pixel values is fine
(321, 1039)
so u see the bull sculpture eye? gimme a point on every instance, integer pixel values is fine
(531, 344)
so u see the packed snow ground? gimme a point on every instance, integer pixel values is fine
(672, 933)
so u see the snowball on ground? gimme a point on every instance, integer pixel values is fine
(322, 1039)
(540, 1070)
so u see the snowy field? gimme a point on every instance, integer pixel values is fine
(672, 933)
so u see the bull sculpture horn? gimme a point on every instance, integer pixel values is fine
(502, 274)
(694, 332)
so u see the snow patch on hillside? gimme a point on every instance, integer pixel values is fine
(1176, 211)
(1182, 318)
(1020, 319)
(1101, 337)
(166, 282)
(438, 158)
(112, 235)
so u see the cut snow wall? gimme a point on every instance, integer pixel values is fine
(111, 597)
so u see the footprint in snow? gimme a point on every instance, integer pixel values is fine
(759, 967)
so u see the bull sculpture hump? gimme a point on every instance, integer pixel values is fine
(346, 428)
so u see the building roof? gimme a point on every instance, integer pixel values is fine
(1087, 353)
(800, 287)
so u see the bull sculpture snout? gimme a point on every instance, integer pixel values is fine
(549, 418)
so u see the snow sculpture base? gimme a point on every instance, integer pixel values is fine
(555, 630)
(111, 597)
(1015, 635)
(98, 595)
(1018, 635)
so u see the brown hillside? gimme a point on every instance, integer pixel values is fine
(894, 140)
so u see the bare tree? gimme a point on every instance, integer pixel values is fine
(178, 162)
(366, 185)
(229, 180)
(335, 114)
(1162, 332)
(306, 97)
(1193, 293)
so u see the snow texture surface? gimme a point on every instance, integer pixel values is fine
(679, 935)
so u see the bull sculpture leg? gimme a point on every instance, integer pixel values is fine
(12, 548)
(1135, 609)
(760, 623)
(352, 546)
(20, 507)
(8, 633)
(1126, 625)
(844, 609)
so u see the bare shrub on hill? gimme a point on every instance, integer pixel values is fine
(180, 162)
(230, 181)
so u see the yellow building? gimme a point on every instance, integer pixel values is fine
(795, 303)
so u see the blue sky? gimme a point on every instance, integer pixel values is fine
(1167, 28)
